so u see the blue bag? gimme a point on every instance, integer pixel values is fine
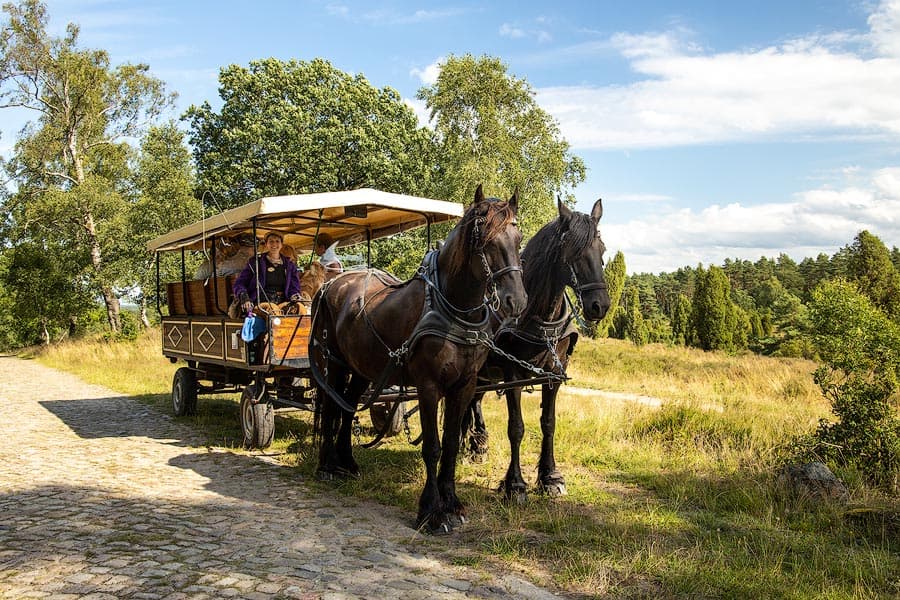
(253, 327)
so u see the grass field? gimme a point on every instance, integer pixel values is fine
(671, 501)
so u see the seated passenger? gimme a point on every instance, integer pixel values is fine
(279, 279)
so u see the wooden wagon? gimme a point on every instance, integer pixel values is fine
(273, 371)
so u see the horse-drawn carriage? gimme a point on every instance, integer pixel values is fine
(272, 371)
(429, 337)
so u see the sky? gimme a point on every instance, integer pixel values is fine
(710, 129)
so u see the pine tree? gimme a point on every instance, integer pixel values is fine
(635, 328)
(681, 321)
(713, 315)
(869, 266)
(614, 273)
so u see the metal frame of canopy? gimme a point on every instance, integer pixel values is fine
(349, 217)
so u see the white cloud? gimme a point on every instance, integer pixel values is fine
(419, 108)
(510, 31)
(514, 31)
(818, 220)
(642, 198)
(391, 17)
(429, 74)
(820, 85)
(885, 26)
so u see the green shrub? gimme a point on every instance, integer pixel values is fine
(860, 349)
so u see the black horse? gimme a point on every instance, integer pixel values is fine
(431, 332)
(566, 252)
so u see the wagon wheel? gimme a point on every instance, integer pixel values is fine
(184, 392)
(257, 417)
(387, 418)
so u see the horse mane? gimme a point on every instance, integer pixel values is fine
(491, 215)
(548, 251)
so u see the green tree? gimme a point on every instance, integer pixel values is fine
(69, 164)
(163, 189)
(681, 321)
(635, 328)
(869, 266)
(32, 315)
(298, 127)
(614, 272)
(490, 130)
(860, 351)
(713, 315)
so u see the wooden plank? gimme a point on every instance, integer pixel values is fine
(176, 336)
(222, 288)
(175, 298)
(235, 347)
(290, 337)
(208, 339)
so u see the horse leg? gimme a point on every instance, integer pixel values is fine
(329, 462)
(345, 458)
(474, 431)
(550, 480)
(455, 403)
(431, 515)
(514, 486)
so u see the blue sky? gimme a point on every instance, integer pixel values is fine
(711, 130)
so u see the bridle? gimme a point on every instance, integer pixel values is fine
(491, 297)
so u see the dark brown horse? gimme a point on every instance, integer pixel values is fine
(566, 252)
(430, 332)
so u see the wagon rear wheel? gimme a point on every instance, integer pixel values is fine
(386, 422)
(257, 418)
(184, 392)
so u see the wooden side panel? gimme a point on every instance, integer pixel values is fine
(235, 347)
(221, 290)
(290, 337)
(176, 336)
(175, 298)
(208, 339)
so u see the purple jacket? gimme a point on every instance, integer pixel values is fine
(246, 281)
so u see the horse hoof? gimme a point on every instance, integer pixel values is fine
(514, 494)
(323, 475)
(554, 489)
(456, 520)
(517, 497)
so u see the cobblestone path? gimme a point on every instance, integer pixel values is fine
(102, 497)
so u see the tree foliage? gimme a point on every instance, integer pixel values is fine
(860, 351)
(162, 186)
(614, 273)
(870, 267)
(491, 131)
(635, 328)
(713, 316)
(298, 127)
(68, 164)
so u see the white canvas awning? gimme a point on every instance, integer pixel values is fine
(349, 217)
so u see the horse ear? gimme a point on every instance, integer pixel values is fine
(597, 211)
(565, 213)
(479, 194)
(514, 200)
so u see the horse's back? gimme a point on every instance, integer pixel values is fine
(372, 313)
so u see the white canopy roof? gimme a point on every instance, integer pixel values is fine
(348, 217)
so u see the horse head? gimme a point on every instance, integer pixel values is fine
(495, 237)
(582, 252)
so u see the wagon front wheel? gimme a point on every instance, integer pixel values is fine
(257, 417)
(184, 392)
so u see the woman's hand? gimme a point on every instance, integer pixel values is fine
(248, 307)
